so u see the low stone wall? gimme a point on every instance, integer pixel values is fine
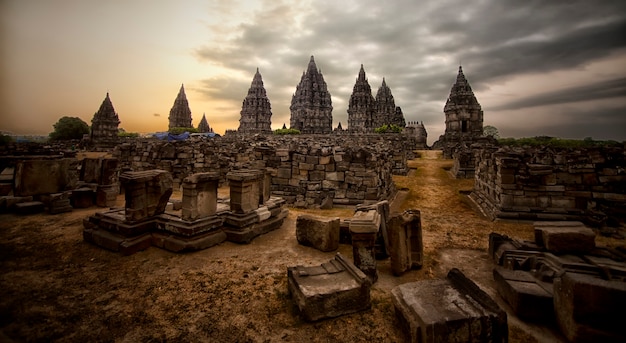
(305, 169)
(552, 184)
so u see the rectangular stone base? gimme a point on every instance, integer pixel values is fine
(247, 233)
(182, 244)
(527, 296)
(449, 310)
(30, 207)
(178, 226)
(330, 290)
(116, 242)
(115, 221)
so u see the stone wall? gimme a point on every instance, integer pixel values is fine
(305, 169)
(552, 184)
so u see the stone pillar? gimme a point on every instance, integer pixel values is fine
(200, 195)
(245, 191)
(146, 192)
(405, 236)
(266, 183)
(364, 227)
(108, 174)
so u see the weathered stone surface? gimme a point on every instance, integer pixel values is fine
(405, 240)
(311, 105)
(35, 177)
(529, 298)
(364, 227)
(29, 207)
(245, 190)
(589, 309)
(321, 233)
(146, 193)
(453, 309)
(567, 237)
(256, 110)
(199, 195)
(330, 290)
(182, 244)
(82, 197)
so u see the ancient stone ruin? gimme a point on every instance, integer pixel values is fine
(386, 112)
(256, 110)
(180, 114)
(104, 125)
(203, 126)
(417, 130)
(311, 106)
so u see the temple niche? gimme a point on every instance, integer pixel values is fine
(203, 126)
(464, 117)
(361, 106)
(180, 114)
(311, 106)
(104, 125)
(256, 110)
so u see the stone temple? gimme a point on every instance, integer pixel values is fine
(366, 113)
(256, 111)
(104, 125)
(464, 116)
(180, 114)
(311, 106)
(203, 126)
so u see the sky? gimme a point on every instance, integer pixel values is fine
(555, 68)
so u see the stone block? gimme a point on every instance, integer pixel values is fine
(590, 309)
(200, 195)
(321, 233)
(146, 193)
(405, 241)
(245, 190)
(29, 207)
(453, 309)
(82, 197)
(106, 195)
(529, 298)
(34, 177)
(330, 290)
(364, 227)
(564, 237)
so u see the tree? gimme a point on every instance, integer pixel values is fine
(69, 128)
(491, 131)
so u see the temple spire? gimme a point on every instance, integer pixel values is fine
(180, 114)
(256, 112)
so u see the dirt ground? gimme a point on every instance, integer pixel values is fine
(55, 287)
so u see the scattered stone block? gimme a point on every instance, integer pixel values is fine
(146, 193)
(7, 203)
(45, 176)
(330, 290)
(57, 202)
(29, 207)
(320, 233)
(405, 238)
(245, 191)
(529, 298)
(564, 237)
(200, 195)
(106, 195)
(453, 309)
(364, 227)
(382, 238)
(590, 309)
(82, 197)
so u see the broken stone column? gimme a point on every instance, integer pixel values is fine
(146, 193)
(320, 233)
(364, 227)
(565, 237)
(453, 309)
(330, 290)
(200, 195)
(244, 190)
(405, 238)
(382, 239)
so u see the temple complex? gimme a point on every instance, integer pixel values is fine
(104, 125)
(204, 127)
(464, 116)
(180, 114)
(311, 106)
(256, 111)
(361, 106)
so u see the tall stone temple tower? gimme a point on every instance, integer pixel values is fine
(386, 110)
(362, 105)
(203, 126)
(104, 125)
(311, 106)
(464, 117)
(417, 130)
(256, 111)
(180, 114)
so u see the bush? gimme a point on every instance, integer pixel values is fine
(125, 134)
(287, 132)
(5, 139)
(69, 128)
(388, 129)
(179, 130)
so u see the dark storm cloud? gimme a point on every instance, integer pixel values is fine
(614, 88)
(417, 47)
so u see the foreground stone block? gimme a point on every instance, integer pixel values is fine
(34, 177)
(590, 309)
(146, 193)
(530, 298)
(245, 190)
(320, 233)
(364, 227)
(453, 309)
(405, 238)
(330, 290)
(29, 207)
(200, 195)
(565, 237)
